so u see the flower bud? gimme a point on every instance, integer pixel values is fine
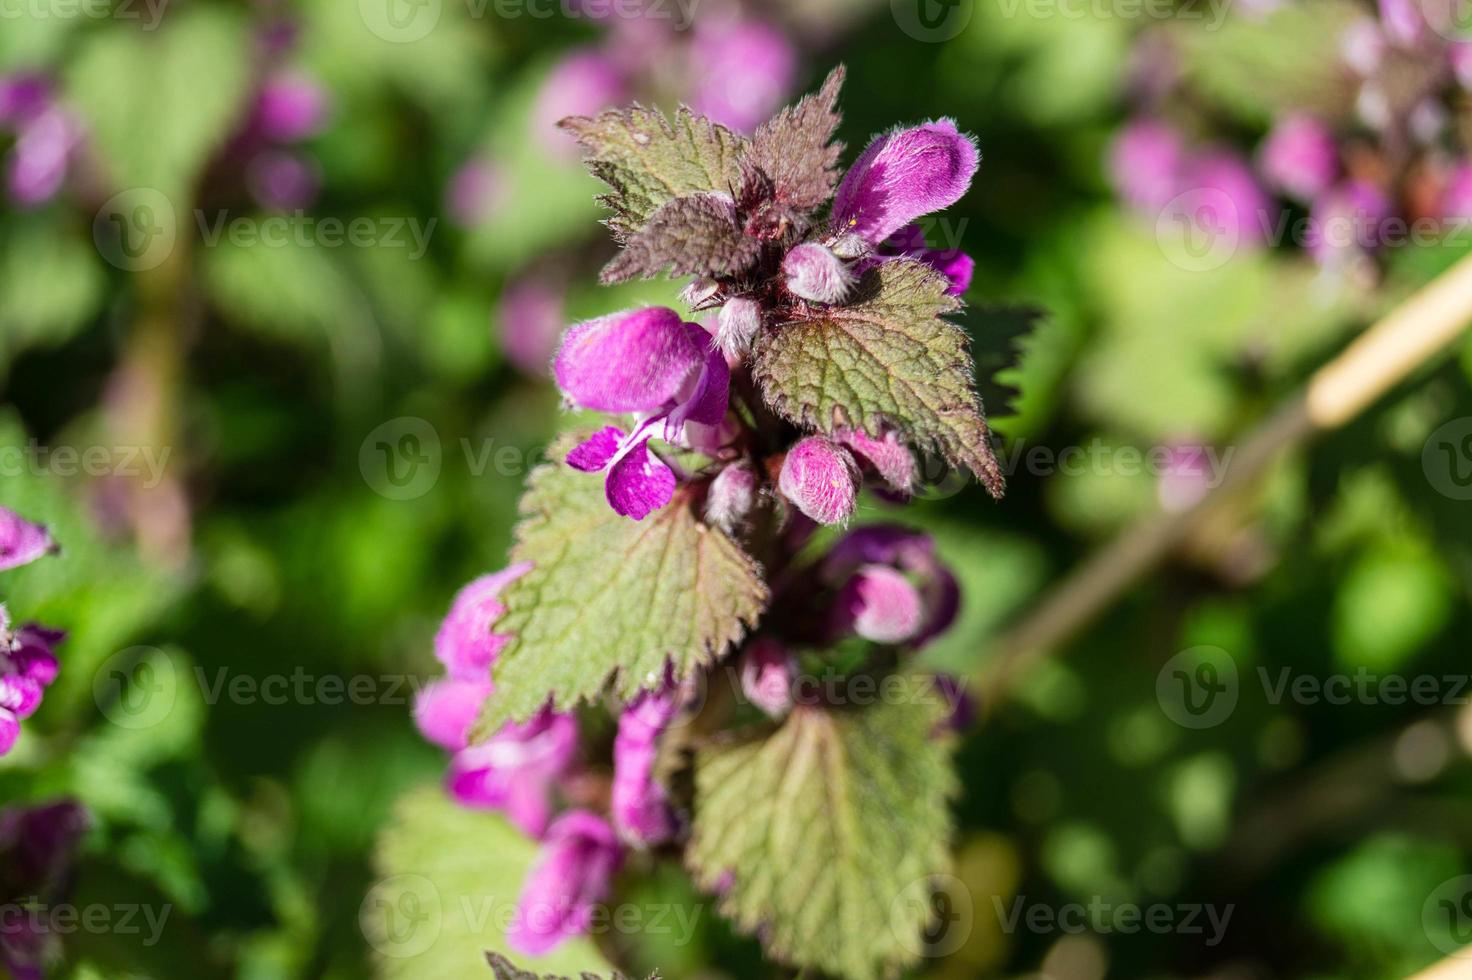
(880, 604)
(290, 107)
(737, 325)
(767, 672)
(634, 361)
(821, 478)
(816, 274)
(698, 291)
(902, 176)
(731, 497)
(21, 542)
(1145, 163)
(640, 804)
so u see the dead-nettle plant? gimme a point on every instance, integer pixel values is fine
(680, 537)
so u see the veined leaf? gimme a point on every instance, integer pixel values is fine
(448, 877)
(649, 160)
(825, 835)
(612, 599)
(796, 147)
(696, 234)
(886, 358)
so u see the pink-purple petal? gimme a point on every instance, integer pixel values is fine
(902, 176)
(638, 483)
(597, 451)
(572, 875)
(634, 361)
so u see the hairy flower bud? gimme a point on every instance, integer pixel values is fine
(767, 673)
(737, 325)
(633, 361)
(821, 478)
(640, 804)
(816, 274)
(21, 541)
(731, 497)
(889, 457)
(902, 176)
(880, 604)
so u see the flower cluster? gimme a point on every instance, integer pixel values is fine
(689, 421)
(27, 663)
(47, 138)
(1396, 156)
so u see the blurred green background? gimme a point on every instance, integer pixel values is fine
(181, 282)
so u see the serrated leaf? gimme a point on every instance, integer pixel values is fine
(824, 835)
(885, 358)
(999, 336)
(696, 234)
(612, 599)
(649, 160)
(448, 876)
(796, 150)
(504, 969)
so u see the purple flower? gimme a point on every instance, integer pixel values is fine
(27, 667)
(731, 497)
(465, 643)
(821, 478)
(879, 604)
(745, 70)
(768, 671)
(446, 709)
(1299, 157)
(816, 274)
(516, 769)
(1403, 22)
(640, 804)
(887, 456)
(1225, 179)
(43, 149)
(902, 176)
(574, 872)
(910, 552)
(37, 844)
(650, 363)
(1363, 46)
(952, 263)
(1145, 164)
(22, 98)
(530, 317)
(290, 107)
(22, 542)
(581, 84)
(1459, 56)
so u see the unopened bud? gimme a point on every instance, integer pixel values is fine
(732, 495)
(880, 604)
(821, 478)
(816, 274)
(737, 325)
(767, 673)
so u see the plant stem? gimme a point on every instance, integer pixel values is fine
(1408, 337)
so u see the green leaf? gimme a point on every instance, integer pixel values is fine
(696, 234)
(649, 160)
(825, 835)
(152, 120)
(885, 358)
(448, 878)
(796, 147)
(51, 284)
(612, 599)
